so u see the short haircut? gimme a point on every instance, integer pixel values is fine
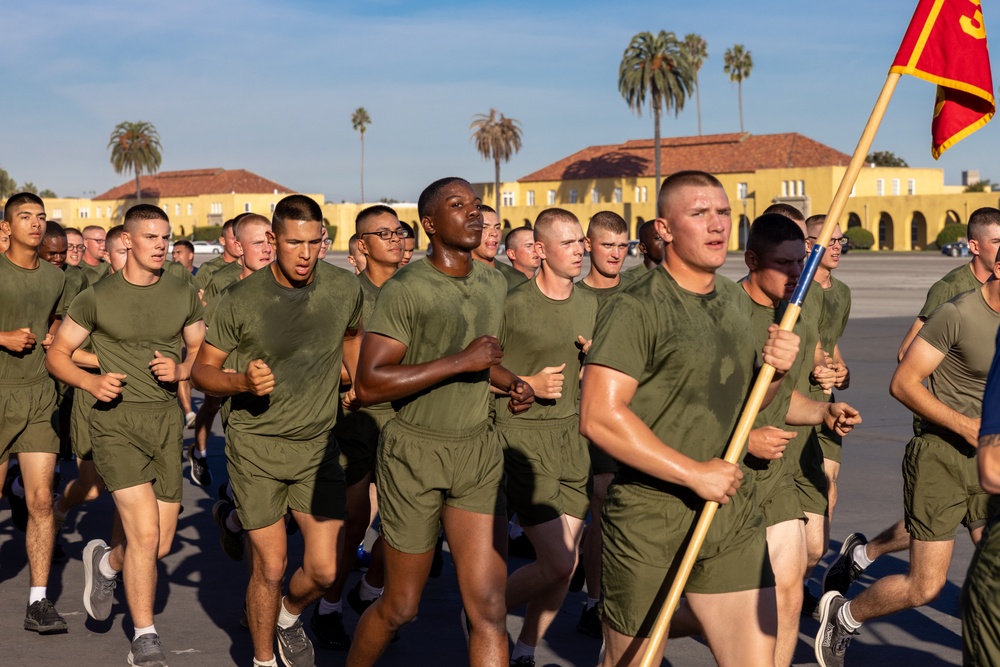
(980, 220)
(814, 224)
(681, 179)
(53, 229)
(409, 229)
(429, 197)
(92, 228)
(141, 212)
(295, 207)
(371, 212)
(549, 217)
(770, 230)
(19, 200)
(647, 231)
(184, 243)
(787, 210)
(115, 232)
(228, 224)
(486, 208)
(243, 218)
(607, 221)
(352, 243)
(513, 234)
(73, 230)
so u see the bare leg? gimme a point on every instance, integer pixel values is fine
(740, 627)
(832, 469)
(136, 559)
(37, 472)
(892, 540)
(817, 538)
(184, 395)
(322, 536)
(269, 558)
(928, 574)
(203, 422)
(86, 487)
(786, 544)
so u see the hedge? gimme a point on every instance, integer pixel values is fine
(861, 238)
(950, 234)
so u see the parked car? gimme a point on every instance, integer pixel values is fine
(633, 248)
(956, 249)
(207, 248)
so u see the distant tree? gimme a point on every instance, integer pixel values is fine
(48, 194)
(697, 52)
(980, 186)
(135, 147)
(885, 159)
(737, 63)
(950, 234)
(497, 138)
(360, 120)
(860, 238)
(657, 66)
(8, 185)
(29, 187)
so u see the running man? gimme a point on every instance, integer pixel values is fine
(520, 243)
(650, 247)
(288, 327)
(230, 253)
(431, 349)
(94, 264)
(75, 247)
(138, 320)
(355, 257)
(409, 244)
(183, 254)
(490, 245)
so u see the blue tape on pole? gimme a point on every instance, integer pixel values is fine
(808, 272)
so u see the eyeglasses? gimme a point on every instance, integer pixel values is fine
(327, 243)
(840, 240)
(387, 234)
(78, 248)
(98, 241)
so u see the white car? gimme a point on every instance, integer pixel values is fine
(207, 248)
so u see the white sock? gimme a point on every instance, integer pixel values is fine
(286, 620)
(198, 454)
(35, 593)
(16, 488)
(369, 592)
(592, 602)
(522, 649)
(330, 607)
(845, 617)
(860, 556)
(139, 632)
(515, 531)
(105, 566)
(273, 662)
(233, 522)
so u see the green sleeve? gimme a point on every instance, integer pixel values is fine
(393, 314)
(196, 311)
(623, 338)
(83, 310)
(942, 328)
(225, 331)
(936, 295)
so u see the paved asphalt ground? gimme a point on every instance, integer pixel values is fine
(200, 591)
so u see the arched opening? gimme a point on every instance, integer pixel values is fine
(506, 224)
(639, 222)
(416, 233)
(918, 231)
(743, 231)
(526, 223)
(853, 220)
(886, 232)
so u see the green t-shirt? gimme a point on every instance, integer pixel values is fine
(836, 311)
(964, 330)
(370, 292)
(812, 314)
(206, 270)
(76, 282)
(510, 274)
(604, 292)
(220, 279)
(179, 270)
(537, 332)
(127, 323)
(299, 333)
(958, 280)
(94, 273)
(636, 272)
(29, 298)
(693, 356)
(436, 315)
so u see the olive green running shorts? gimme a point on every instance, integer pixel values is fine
(645, 533)
(547, 467)
(420, 470)
(830, 443)
(357, 433)
(28, 417)
(775, 490)
(139, 443)
(809, 475)
(941, 488)
(79, 424)
(981, 602)
(271, 475)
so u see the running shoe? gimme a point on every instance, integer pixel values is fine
(833, 637)
(98, 590)
(147, 651)
(231, 541)
(294, 647)
(200, 474)
(845, 570)
(42, 617)
(329, 630)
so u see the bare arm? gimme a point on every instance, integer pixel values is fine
(907, 387)
(915, 328)
(780, 351)
(839, 417)
(166, 369)
(988, 460)
(208, 376)
(59, 362)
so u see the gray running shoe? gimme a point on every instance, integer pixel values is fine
(98, 590)
(43, 618)
(294, 647)
(147, 651)
(833, 637)
(845, 570)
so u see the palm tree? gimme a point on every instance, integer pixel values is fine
(135, 147)
(656, 66)
(496, 139)
(360, 120)
(737, 64)
(697, 51)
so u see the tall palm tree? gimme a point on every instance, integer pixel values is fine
(657, 66)
(135, 147)
(697, 51)
(737, 63)
(360, 120)
(497, 138)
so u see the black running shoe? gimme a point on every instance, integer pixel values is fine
(200, 474)
(354, 599)
(329, 630)
(18, 505)
(42, 617)
(833, 637)
(590, 622)
(231, 541)
(579, 577)
(523, 661)
(810, 603)
(845, 570)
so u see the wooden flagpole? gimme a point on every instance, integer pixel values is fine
(653, 654)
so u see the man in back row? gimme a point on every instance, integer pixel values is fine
(520, 244)
(490, 245)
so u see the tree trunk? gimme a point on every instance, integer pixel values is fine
(739, 93)
(362, 167)
(697, 97)
(496, 186)
(656, 146)
(138, 190)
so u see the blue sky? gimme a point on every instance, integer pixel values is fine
(270, 86)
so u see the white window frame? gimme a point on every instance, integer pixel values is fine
(911, 186)
(551, 198)
(879, 187)
(895, 187)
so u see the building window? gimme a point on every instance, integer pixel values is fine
(166, 209)
(801, 189)
(637, 200)
(911, 186)
(573, 196)
(247, 208)
(272, 207)
(879, 187)
(895, 187)
(190, 209)
(177, 209)
(107, 210)
(57, 214)
(617, 195)
(552, 197)
(531, 197)
(97, 211)
(84, 213)
(216, 208)
(595, 196)
(741, 190)
(784, 188)
(507, 199)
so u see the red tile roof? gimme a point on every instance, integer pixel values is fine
(192, 182)
(714, 153)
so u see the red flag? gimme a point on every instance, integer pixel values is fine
(946, 44)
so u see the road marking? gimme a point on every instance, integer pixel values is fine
(187, 650)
